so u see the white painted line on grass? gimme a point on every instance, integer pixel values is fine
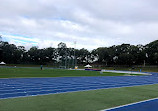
(129, 104)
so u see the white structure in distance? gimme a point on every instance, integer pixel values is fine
(2, 63)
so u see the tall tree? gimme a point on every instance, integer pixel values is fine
(152, 52)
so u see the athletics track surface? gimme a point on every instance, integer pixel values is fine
(148, 105)
(21, 87)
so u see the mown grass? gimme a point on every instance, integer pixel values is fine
(136, 68)
(36, 72)
(93, 100)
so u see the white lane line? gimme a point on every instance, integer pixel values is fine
(129, 104)
(68, 91)
(66, 88)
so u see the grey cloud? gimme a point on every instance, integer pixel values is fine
(101, 23)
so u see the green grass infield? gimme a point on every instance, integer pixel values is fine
(93, 100)
(36, 72)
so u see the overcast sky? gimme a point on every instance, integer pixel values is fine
(91, 23)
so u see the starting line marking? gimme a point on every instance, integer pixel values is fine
(121, 106)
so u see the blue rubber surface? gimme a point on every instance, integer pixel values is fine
(151, 105)
(18, 87)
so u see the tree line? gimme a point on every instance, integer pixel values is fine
(124, 54)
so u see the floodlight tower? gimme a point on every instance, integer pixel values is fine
(0, 37)
(1, 51)
(74, 54)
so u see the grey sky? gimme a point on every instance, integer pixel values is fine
(92, 23)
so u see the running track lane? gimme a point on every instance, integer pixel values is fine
(148, 105)
(21, 87)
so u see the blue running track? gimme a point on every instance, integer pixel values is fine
(21, 87)
(150, 105)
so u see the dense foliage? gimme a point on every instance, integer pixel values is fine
(124, 54)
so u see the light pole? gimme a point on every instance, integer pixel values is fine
(0, 37)
(1, 51)
(74, 54)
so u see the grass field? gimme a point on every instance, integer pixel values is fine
(36, 72)
(81, 101)
(92, 100)
(137, 68)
